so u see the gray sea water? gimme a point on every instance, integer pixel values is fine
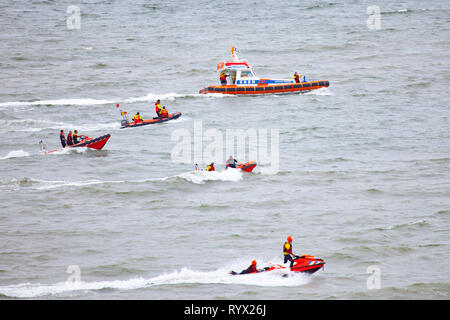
(364, 165)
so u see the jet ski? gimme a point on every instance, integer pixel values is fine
(305, 264)
(127, 124)
(93, 143)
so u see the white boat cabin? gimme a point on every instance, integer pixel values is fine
(239, 72)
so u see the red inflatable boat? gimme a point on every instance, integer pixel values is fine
(88, 142)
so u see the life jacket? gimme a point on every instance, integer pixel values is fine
(296, 78)
(158, 107)
(251, 269)
(210, 168)
(75, 138)
(69, 139)
(223, 76)
(287, 248)
(137, 118)
(164, 113)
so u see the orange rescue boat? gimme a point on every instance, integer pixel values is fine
(238, 78)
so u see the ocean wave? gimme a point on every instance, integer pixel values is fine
(64, 151)
(269, 171)
(201, 177)
(184, 276)
(418, 223)
(59, 102)
(150, 97)
(35, 125)
(24, 182)
(398, 11)
(197, 177)
(16, 154)
(46, 184)
(320, 92)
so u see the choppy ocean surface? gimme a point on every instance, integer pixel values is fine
(364, 165)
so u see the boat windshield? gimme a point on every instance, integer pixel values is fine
(246, 74)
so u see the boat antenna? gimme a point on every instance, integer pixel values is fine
(124, 114)
(234, 55)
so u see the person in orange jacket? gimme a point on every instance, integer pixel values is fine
(164, 113)
(158, 108)
(137, 118)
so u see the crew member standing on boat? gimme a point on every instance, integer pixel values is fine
(158, 108)
(296, 77)
(287, 251)
(62, 138)
(223, 78)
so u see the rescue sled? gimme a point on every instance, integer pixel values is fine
(93, 143)
(304, 264)
(127, 124)
(242, 80)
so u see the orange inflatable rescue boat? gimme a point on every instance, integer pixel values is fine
(125, 123)
(247, 167)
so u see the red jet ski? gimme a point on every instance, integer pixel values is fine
(88, 142)
(305, 263)
(247, 167)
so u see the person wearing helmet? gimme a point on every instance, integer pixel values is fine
(137, 118)
(251, 269)
(164, 113)
(158, 108)
(287, 251)
(210, 167)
